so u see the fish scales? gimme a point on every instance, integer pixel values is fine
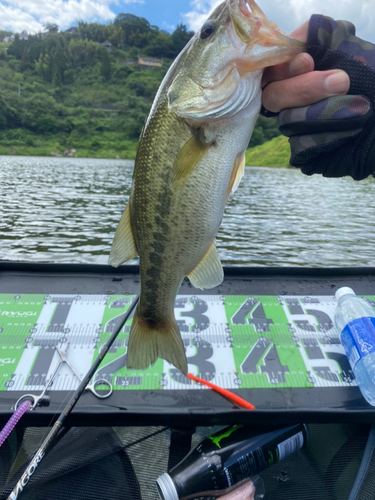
(190, 157)
(151, 210)
(167, 221)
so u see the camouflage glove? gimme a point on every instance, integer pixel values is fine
(336, 137)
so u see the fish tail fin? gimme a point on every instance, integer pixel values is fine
(147, 344)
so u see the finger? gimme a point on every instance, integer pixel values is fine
(301, 32)
(300, 64)
(245, 491)
(304, 90)
(303, 63)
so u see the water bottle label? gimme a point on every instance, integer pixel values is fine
(358, 339)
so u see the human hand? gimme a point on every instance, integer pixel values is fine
(245, 491)
(295, 83)
(327, 112)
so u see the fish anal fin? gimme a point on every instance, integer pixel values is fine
(123, 246)
(209, 272)
(237, 173)
(147, 344)
(192, 152)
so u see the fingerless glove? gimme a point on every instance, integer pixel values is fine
(336, 137)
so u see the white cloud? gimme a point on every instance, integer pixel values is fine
(201, 10)
(291, 13)
(31, 15)
(15, 20)
(168, 27)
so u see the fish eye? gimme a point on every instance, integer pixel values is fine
(207, 30)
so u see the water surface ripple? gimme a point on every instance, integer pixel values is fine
(67, 210)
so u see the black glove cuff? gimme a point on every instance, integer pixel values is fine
(370, 164)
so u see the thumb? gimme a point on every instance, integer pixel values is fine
(304, 89)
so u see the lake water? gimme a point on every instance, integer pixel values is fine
(67, 210)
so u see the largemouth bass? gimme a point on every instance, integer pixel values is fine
(190, 158)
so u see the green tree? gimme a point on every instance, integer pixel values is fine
(105, 68)
(4, 33)
(265, 129)
(144, 84)
(131, 25)
(82, 52)
(58, 68)
(26, 63)
(159, 45)
(17, 48)
(42, 65)
(93, 31)
(3, 112)
(51, 27)
(121, 37)
(180, 38)
(48, 75)
(40, 113)
(35, 48)
(10, 110)
(133, 115)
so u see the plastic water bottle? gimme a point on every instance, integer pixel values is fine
(355, 322)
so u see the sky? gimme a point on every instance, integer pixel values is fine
(31, 15)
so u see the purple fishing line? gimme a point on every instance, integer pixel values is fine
(12, 422)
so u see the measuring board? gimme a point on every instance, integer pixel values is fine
(234, 341)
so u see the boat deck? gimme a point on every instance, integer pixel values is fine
(266, 334)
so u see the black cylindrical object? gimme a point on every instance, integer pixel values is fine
(226, 459)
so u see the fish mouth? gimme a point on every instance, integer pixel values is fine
(249, 10)
(252, 26)
(243, 6)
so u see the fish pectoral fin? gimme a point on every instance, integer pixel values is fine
(192, 152)
(209, 272)
(236, 175)
(123, 246)
(147, 344)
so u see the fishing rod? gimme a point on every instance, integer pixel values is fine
(46, 445)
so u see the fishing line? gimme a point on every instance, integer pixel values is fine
(47, 443)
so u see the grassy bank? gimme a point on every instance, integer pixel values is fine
(274, 153)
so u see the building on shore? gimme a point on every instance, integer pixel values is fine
(149, 62)
(73, 30)
(107, 44)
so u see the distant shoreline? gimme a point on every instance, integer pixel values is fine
(274, 153)
(114, 159)
(40, 153)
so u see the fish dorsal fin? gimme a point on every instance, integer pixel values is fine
(209, 272)
(237, 173)
(192, 152)
(123, 246)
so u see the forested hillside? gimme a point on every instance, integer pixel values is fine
(65, 92)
